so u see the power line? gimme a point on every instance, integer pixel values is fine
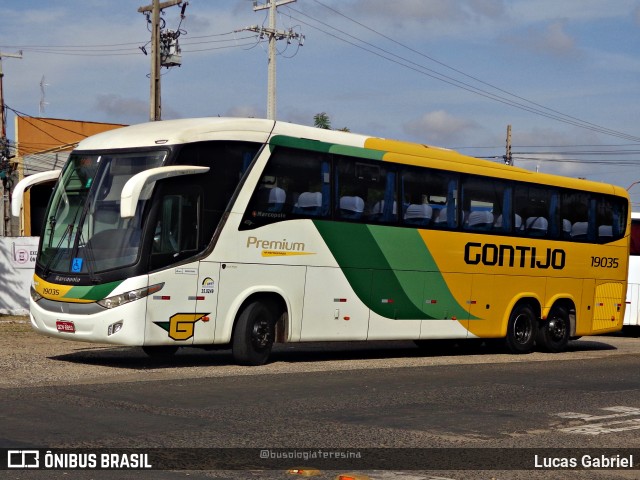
(617, 162)
(131, 48)
(534, 108)
(26, 115)
(450, 67)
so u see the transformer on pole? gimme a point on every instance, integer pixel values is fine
(155, 110)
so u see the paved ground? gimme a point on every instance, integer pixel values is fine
(31, 360)
(26, 358)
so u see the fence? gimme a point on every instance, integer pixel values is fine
(17, 261)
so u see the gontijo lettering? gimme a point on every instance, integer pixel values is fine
(506, 255)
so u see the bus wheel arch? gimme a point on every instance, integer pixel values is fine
(522, 326)
(260, 322)
(555, 331)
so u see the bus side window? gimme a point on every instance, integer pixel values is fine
(610, 218)
(294, 184)
(428, 198)
(177, 225)
(448, 214)
(574, 213)
(365, 191)
(486, 203)
(177, 228)
(534, 205)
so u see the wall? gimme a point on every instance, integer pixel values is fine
(17, 261)
(41, 135)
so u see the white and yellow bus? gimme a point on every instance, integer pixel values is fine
(243, 232)
(632, 312)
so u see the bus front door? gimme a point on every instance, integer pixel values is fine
(171, 312)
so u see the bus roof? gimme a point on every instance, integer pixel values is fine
(172, 132)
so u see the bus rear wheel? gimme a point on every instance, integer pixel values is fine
(521, 330)
(553, 334)
(254, 334)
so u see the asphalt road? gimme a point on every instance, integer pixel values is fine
(483, 408)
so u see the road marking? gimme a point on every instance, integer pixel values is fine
(615, 422)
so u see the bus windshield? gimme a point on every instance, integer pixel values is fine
(84, 232)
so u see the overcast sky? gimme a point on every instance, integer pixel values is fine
(453, 73)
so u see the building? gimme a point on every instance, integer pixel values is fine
(42, 144)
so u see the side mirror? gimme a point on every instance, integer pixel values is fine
(133, 188)
(17, 196)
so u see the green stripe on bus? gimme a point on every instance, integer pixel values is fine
(357, 152)
(390, 269)
(317, 146)
(97, 292)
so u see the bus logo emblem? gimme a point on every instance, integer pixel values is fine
(181, 326)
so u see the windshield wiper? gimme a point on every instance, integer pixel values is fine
(91, 259)
(67, 231)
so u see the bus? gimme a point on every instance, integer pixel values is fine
(242, 233)
(632, 313)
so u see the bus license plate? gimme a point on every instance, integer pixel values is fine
(63, 326)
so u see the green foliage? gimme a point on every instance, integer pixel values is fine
(321, 120)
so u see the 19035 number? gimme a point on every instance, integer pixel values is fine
(604, 262)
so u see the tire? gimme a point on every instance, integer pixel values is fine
(521, 330)
(160, 352)
(254, 334)
(553, 334)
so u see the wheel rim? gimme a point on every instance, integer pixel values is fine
(261, 334)
(557, 329)
(522, 329)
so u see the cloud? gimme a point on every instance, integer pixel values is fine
(429, 10)
(442, 15)
(556, 163)
(123, 110)
(636, 15)
(439, 128)
(577, 10)
(555, 39)
(550, 40)
(244, 111)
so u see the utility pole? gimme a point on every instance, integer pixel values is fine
(273, 35)
(155, 109)
(5, 155)
(508, 159)
(3, 117)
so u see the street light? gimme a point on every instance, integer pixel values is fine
(634, 183)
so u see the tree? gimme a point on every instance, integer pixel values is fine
(321, 120)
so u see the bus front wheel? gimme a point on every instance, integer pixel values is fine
(521, 330)
(554, 332)
(254, 334)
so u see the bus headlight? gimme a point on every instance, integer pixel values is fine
(121, 299)
(35, 296)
